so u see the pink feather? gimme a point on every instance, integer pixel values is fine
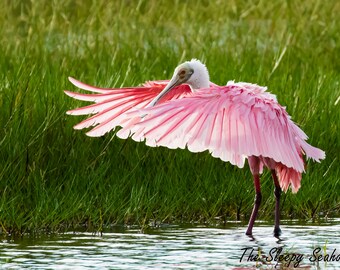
(232, 122)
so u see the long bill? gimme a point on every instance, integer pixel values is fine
(173, 82)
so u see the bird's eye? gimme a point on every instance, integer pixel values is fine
(182, 73)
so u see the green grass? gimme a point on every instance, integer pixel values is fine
(52, 176)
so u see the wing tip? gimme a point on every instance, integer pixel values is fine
(72, 80)
(78, 84)
(94, 134)
(69, 93)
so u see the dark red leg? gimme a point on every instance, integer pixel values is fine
(277, 192)
(258, 198)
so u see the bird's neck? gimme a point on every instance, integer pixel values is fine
(195, 85)
(200, 81)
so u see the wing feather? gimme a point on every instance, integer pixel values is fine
(231, 122)
(111, 104)
(227, 127)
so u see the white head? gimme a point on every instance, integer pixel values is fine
(191, 72)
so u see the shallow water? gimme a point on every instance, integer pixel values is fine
(177, 247)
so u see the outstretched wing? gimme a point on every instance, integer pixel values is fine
(231, 122)
(111, 104)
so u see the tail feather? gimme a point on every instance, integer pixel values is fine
(288, 177)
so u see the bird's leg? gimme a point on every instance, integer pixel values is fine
(277, 192)
(258, 198)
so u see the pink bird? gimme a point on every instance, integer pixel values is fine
(235, 122)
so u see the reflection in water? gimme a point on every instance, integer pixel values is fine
(178, 247)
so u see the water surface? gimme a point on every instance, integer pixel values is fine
(178, 247)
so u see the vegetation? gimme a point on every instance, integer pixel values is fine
(53, 176)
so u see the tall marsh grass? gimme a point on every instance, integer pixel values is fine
(52, 176)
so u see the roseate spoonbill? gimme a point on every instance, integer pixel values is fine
(234, 122)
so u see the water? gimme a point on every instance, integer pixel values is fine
(176, 247)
